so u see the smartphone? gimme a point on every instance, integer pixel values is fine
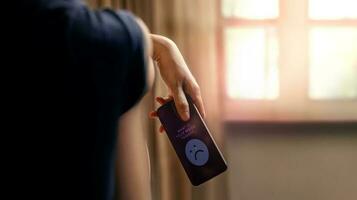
(193, 143)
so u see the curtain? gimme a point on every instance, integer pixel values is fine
(192, 25)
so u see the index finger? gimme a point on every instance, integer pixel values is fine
(194, 92)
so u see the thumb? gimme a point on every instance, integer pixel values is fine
(181, 103)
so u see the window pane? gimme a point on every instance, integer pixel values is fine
(251, 58)
(251, 9)
(333, 63)
(332, 9)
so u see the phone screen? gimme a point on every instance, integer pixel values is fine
(193, 143)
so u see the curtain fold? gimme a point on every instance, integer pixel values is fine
(192, 25)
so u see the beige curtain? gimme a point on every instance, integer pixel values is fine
(192, 25)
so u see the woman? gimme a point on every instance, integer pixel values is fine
(98, 64)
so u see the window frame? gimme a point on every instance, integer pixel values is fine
(293, 103)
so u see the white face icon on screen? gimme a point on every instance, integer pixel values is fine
(196, 152)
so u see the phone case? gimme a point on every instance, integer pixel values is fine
(193, 143)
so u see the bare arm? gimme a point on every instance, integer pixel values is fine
(176, 75)
(133, 163)
(174, 71)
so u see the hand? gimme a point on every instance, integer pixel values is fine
(161, 101)
(177, 77)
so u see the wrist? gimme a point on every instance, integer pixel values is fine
(161, 45)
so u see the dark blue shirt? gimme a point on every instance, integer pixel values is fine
(77, 71)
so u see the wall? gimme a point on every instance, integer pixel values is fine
(292, 161)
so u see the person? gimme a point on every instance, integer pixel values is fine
(81, 69)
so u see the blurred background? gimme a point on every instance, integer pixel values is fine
(279, 82)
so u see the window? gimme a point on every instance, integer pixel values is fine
(289, 59)
(333, 63)
(332, 9)
(252, 58)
